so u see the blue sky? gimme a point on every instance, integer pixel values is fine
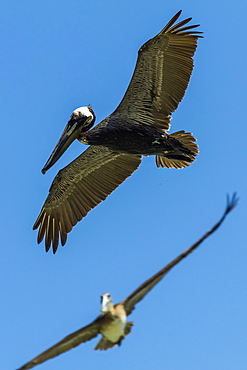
(56, 56)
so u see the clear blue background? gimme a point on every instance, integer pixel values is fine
(56, 56)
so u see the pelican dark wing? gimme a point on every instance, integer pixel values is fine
(161, 75)
(78, 188)
(135, 297)
(73, 340)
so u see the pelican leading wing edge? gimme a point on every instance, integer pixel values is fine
(78, 188)
(161, 75)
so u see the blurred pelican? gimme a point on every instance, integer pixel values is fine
(112, 322)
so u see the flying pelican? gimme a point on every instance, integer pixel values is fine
(111, 323)
(137, 127)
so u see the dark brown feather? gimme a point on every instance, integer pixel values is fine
(79, 187)
(161, 75)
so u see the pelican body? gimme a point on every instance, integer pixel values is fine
(138, 127)
(112, 323)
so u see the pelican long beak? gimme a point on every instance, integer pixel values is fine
(71, 132)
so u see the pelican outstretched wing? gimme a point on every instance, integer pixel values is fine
(78, 188)
(161, 75)
(135, 297)
(80, 336)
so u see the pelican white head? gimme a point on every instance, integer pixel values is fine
(81, 120)
(106, 303)
(84, 112)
